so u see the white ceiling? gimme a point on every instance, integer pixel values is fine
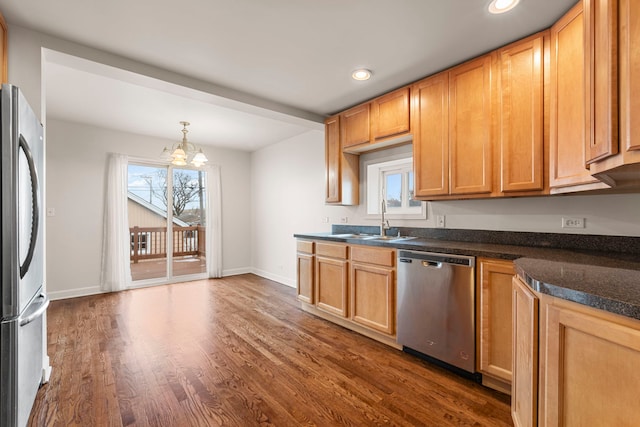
(296, 55)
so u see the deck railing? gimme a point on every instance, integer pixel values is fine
(151, 242)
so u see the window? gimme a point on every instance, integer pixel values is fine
(392, 181)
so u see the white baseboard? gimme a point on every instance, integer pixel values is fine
(236, 271)
(73, 293)
(280, 279)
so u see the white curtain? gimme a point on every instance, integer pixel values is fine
(116, 268)
(214, 222)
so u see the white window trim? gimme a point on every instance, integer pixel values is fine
(373, 190)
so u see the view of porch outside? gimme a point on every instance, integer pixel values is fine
(148, 198)
(149, 251)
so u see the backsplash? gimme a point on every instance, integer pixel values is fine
(582, 242)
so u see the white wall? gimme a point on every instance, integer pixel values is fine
(288, 187)
(76, 166)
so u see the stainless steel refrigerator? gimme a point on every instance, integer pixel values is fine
(24, 302)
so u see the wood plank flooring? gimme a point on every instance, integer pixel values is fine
(237, 351)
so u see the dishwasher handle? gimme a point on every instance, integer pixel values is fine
(431, 264)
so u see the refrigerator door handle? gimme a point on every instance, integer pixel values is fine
(35, 196)
(39, 311)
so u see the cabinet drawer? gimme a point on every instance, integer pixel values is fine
(305, 246)
(386, 257)
(332, 250)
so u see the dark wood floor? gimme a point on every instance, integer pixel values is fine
(238, 352)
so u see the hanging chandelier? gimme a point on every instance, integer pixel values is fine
(184, 152)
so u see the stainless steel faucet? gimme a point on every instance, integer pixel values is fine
(384, 225)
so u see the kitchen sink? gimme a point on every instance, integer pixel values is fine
(353, 236)
(392, 238)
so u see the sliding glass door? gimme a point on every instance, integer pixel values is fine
(167, 223)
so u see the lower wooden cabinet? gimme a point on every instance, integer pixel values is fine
(573, 365)
(373, 288)
(352, 285)
(591, 363)
(494, 330)
(524, 387)
(305, 266)
(332, 278)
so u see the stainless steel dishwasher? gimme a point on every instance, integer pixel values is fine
(436, 306)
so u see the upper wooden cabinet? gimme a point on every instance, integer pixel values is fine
(523, 68)
(601, 78)
(470, 133)
(355, 127)
(452, 135)
(390, 114)
(341, 169)
(377, 123)
(623, 168)
(430, 116)
(568, 106)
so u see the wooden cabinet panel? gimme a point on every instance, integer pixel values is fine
(592, 370)
(305, 277)
(332, 285)
(568, 103)
(333, 250)
(378, 256)
(430, 112)
(495, 319)
(373, 297)
(524, 388)
(470, 136)
(630, 77)
(623, 169)
(332, 159)
(390, 114)
(305, 265)
(341, 169)
(3, 51)
(521, 100)
(355, 126)
(601, 78)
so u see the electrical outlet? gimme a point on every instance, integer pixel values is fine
(344, 220)
(572, 222)
(439, 221)
(325, 219)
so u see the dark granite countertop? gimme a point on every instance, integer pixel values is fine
(598, 271)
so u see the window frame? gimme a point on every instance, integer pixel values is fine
(376, 171)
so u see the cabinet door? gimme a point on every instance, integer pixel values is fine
(521, 101)
(592, 370)
(630, 78)
(470, 136)
(332, 285)
(355, 126)
(305, 277)
(390, 114)
(601, 78)
(524, 388)
(567, 138)
(332, 159)
(341, 169)
(430, 115)
(373, 297)
(496, 331)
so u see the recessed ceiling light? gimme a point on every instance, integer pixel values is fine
(502, 6)
(361, 74)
